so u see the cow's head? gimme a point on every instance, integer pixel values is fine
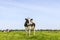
(28, 20)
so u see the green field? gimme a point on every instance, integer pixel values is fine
(40, 35)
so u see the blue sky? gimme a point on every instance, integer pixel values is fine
(46, 13)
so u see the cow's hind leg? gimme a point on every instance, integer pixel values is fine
(34, 31)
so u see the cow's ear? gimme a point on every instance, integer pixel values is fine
(31, 19)
(25, 19)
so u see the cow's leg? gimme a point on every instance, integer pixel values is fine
(26, 30)
(34, 31)
(33, 28)
(29, 30)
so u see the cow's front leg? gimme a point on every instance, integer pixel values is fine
(29, 32)
(26, 30)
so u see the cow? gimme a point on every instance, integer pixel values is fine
(29, 26)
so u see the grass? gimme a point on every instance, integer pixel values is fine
(40, 35)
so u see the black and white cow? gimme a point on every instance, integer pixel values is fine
(29, 25)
